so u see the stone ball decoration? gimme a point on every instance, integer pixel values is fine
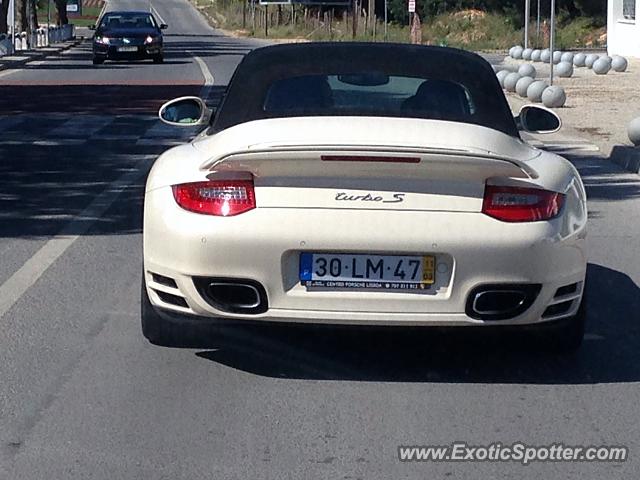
(578, 59)
(527, 70)
(601, 66)
(567, 57)
(517, 52)
(526, 53)
(590, 60)
(535, 55)
(510, 81)
(633, 131)
(545, 55)
(501, 75)
(523, 85)
(553, 97)
(534, 92)
(607, 58)
(557, 57)
(618, 63)
(564, 69)
(512, 50)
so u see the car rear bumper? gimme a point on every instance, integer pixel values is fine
(264, 245)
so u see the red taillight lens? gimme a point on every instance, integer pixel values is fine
(223, 198)
(518, 204)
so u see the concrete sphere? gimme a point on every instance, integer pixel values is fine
(607, 58)
(567, 57)
(564, 69)
(501, 75)
(554, 97)
(526, 53)
(534, 92)
(601, 66)
(557, 57)
(510, 81)
(517, 52)
(578, 59)
(618, 63)
(633, 131)
(535, 55)
(522, 86)
(527, 70)
(590, 60)
(545, 55)
(512, 50)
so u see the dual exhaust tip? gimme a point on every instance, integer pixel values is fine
(501, 301)
(233, 295)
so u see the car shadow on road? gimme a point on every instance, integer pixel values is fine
(609, 353)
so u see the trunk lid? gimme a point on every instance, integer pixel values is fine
(357, 171)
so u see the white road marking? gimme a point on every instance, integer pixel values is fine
(6, 73)
(157, 13)
(208, 78)
(16, 285)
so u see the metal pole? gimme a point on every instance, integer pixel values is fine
(48, 15)
(386, 6)
(527, 10)
(13, 25)
(552, 34)
(538, 27)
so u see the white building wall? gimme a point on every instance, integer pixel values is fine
(623, 34)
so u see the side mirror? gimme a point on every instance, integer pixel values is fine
(536, 119)
(185, 112)
(163, 26)
(92, 27)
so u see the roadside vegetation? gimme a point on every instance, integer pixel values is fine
(495, 28)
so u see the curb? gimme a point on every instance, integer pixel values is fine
(33, 55)
(627, 157)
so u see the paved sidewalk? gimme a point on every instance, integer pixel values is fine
(23, 57)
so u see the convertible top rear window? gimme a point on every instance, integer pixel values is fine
(369, 94)
(365, 79)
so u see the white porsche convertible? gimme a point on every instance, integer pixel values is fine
(363, 184)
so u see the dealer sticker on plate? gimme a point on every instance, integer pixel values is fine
(356, 271)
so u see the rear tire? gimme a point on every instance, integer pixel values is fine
(98, 60)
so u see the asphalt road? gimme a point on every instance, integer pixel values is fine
(84, 396)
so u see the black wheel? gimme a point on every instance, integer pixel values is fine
(98, 60)
(174, 330)
(158, 59)
(566, 336)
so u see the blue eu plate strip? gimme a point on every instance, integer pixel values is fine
(306, 265)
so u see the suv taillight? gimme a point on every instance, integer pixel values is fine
(223, 198)
(521, 204)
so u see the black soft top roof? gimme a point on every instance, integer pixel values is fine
(261, 67)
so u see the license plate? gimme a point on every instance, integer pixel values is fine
(365, 272)
(127, 49)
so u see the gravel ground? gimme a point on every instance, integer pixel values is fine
(598, 107)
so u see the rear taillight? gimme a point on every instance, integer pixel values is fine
(223, 198)
(519, 204)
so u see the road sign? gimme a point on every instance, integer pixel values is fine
(412, 6)
(74, 6)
